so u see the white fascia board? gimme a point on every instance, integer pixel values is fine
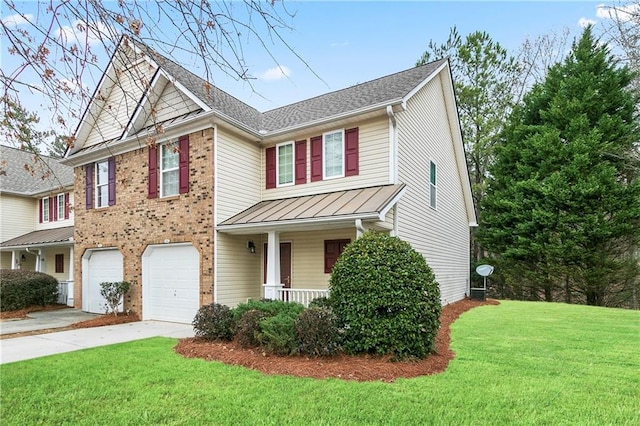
(424, 82)
(393, 202)
(38, 245)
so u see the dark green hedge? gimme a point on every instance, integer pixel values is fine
(20, 289)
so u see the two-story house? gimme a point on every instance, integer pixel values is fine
(195, 197)
(36, 216)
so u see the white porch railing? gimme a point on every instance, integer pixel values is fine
(301, 295)
(65, 293)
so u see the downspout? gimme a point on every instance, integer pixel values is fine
(359, 228)
(393, 139)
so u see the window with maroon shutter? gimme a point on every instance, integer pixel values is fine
(316, 158)
(183, 176)
(301, 162)
(41, 210)
(66, 205)
(59, 263)
(112, 181)
(351, 154)
(153, 172)
(270, 167)
(53, 209)
(332, 250)
(88, 186)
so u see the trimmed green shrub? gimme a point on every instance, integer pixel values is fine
(320, 302)
(113, 293)
(268, 306)
(248, 329)
(278, 334)
(214, 322)
(385, 297)
(317, 331)
(20, 289)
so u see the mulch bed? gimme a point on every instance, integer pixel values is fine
(345, 367)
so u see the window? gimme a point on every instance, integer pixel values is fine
(433, 189)
(102, 184)
(333, 154)
(169, 163)
(59, 263)
(45, 210)
(61, 206)
(285, 164)
(332, 250)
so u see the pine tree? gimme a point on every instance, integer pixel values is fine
(563, 204)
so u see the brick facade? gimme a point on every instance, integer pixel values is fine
(136, 221)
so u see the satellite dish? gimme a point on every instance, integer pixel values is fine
(484, 270)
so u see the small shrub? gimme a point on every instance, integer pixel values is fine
(269, 307)
(278, 334)
(320, 302)
(248, 328)
(113, 293)
(214, 322)
(20, 289)
(386, 298)
(317, 331)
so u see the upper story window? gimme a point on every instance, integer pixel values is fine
(169, 164)
(54, 208)
(333, 155)
(169, 168)
(285, 164)
(433, 189)
(102, 184)
(62, 206)
(45, 210)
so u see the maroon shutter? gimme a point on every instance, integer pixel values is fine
(183, 142)
(270, 162)
(66, 205)
(41, 214)
(301, 162)
(316, 158)
(112, 181)
(53, 208)
(351, 152)
(88, 186)
(153, 172)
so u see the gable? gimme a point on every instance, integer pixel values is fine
(165, 102)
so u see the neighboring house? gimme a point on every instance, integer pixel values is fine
(36, 216)
(195, 197)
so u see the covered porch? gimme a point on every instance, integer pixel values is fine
(285, 249)
(49, 251)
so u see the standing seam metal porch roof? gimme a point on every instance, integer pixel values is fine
(42, 237)
(362, 203)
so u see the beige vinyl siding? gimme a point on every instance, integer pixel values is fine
(441, 235)
(18, 216)
(238, 271)
(172, 103)
(121, 103)
(307, 256)
(238, 175)
(49, 264)
(5, 260)
(373, 164)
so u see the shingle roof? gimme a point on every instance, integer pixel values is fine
(47, 236)
(22, 172)
(374, 92)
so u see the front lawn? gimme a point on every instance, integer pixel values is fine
(517, 363)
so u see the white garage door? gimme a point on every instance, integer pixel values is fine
(170, 283)
(99, 266)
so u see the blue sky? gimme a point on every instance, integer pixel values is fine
(346, 43)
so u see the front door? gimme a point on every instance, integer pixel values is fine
(285, 264)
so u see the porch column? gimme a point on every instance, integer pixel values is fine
(14, 260)
(273, 266)
(70, 280)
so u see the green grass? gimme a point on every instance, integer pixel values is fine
(517, 363)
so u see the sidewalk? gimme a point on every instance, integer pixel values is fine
(29, 347)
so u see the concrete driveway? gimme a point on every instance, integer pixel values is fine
(43, 320)
(29, 347)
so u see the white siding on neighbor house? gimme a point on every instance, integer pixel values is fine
(121, 103)
(307, 256)
(18, 216)
(238, 271)
(172, 103)
(54, 224)
(373, 164)
(237, 175)
(441, 235)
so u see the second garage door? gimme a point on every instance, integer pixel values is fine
(170, 283)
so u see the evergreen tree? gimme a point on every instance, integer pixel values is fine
(563, 204)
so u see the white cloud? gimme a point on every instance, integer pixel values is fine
(275, 73)
(79, 33)
(15, 20)
(584, 22)
(623, 13)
